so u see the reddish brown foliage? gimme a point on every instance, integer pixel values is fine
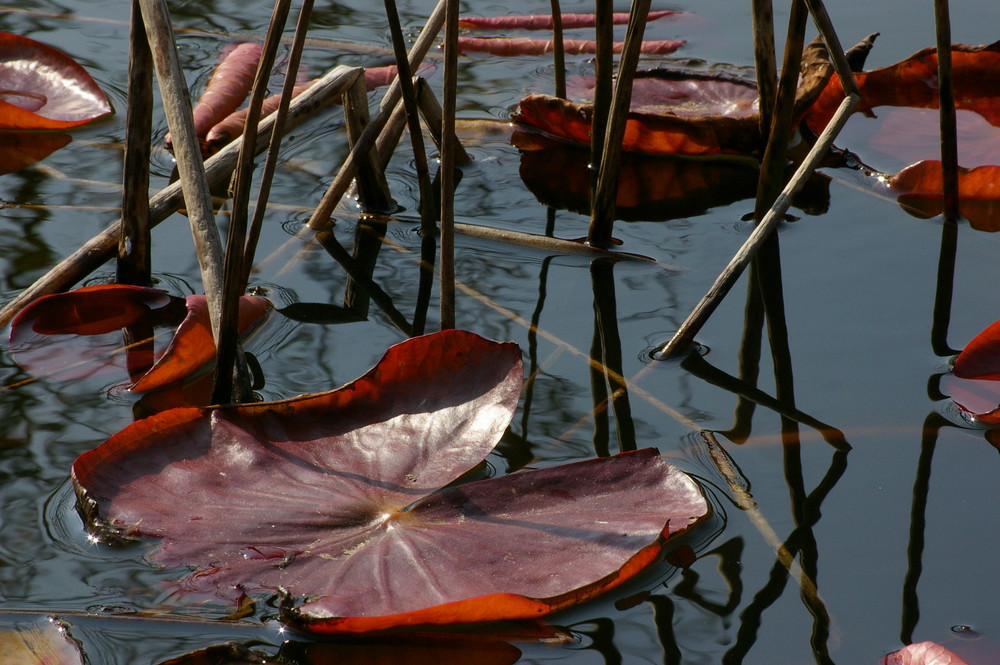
(544, 21)
(510, 46)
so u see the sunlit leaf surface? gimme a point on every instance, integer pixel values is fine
(42, 88)
(923, 653)
(337, 497)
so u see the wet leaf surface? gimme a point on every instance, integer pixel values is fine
(338, 497)
(919, 190)
(43, 88)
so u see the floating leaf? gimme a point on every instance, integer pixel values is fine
(678, 113)
(513, 46)
(45, 642)
(78, 334)
(192, 346)
(544, 21)
(923, 653)
(913, 82)
(919, 189)
(337, 497)
(974, 384)
(42, 88)
(980, 359)
(896, 118)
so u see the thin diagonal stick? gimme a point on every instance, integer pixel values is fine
(724, 282)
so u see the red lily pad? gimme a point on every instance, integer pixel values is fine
(678, 113)
(896, 119)
(919, 189)
(545, 22)
(923, 653)
(42, 88)
(974, 384)
(336, 498)
(227, 128)
(78, 334)
(514, 46)
(913, 82)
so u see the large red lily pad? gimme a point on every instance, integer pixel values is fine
(78, 334)
(337, 498)
(42, 88)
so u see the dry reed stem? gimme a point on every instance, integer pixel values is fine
(602, 209)
(187, 152)
(134, 248)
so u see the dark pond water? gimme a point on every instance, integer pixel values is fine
(893, 534)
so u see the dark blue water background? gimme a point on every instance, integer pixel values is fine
(898, 533)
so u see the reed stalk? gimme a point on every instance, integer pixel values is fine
(280, 118)
(405, 78)
(724, 282)
(762, 13)
(187, 152)
(447, 169)
(232, 380)
(602, 210)
(558, 51)
(946, 109)
(603, 74)
(342, 181)
(134, 248)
